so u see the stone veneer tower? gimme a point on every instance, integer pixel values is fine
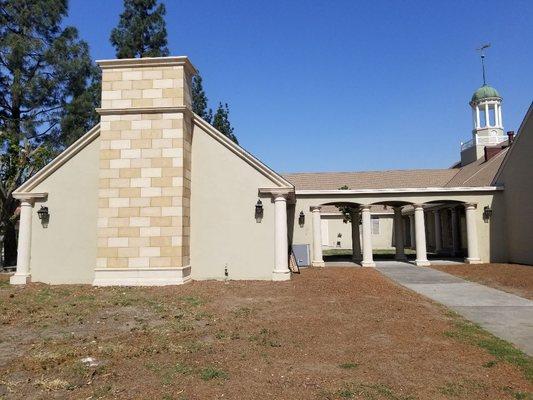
(145, 172)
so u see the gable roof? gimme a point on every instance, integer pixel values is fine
(94, 133)
(242, 153)
(59, 161)
(509, 154)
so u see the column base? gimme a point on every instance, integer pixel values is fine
(320, 264)
(20, 279)
(473, 261)
(279, 276)
(368, 264)
(422, 263)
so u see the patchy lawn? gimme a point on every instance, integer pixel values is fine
(333, 333)
(512, 278)
(375, 252)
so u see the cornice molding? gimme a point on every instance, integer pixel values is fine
(148, 62)
(144, 110)
(400, 190)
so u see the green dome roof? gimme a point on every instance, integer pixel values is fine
(484, 92)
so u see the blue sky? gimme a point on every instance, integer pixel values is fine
(344, 85)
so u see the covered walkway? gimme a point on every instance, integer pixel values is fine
(505, 315)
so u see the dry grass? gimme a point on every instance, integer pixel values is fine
(326, 334)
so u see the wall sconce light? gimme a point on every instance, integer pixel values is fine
(301, 219)
(44, 216)
(258, 211)
(487, 213)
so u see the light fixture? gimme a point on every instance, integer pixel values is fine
(301, 219)
(258, 211)
(487, 213)
(44, 215)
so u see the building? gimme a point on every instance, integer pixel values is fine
(154, 195)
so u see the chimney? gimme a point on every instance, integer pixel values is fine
(510, 135)
(144, 172)
(492, 151)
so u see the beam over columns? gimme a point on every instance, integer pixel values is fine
(281, 267)
(438, 232)
(420, 228)
(398, 234)
(356, 242)
(455, 231)
(471, 233)
(318, 260)
(368, 260)
(22, 275)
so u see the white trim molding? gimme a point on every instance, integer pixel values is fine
(142, 276)
(58, 162)
(304, 192)
(243, 154)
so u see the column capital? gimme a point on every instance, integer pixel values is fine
(364, 207)
(29, 197)
(470, 206)
(418, 206)
(315, 208)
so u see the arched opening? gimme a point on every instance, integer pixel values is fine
(339, 232)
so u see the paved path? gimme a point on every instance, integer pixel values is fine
(505, 315)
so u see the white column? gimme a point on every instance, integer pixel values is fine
(487, 120)
(471, 234)
(478, 119)
(455, 232)
(281, 267)
(22, 275)
(500, 116)
(412, 231)
(368, 260)
(398, 234)
(356, 243)
(438, 232)
(496, 115)
(420, 233)
(318, 260)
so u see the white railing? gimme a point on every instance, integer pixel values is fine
(483, 141)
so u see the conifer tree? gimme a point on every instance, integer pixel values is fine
(48, 93)
(221, 122)
(199, 100)
(141, 31)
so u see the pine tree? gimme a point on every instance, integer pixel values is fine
(221, 122)
(141, 31)
(199, 100)
(47, 96)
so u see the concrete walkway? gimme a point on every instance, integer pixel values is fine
(505, 315)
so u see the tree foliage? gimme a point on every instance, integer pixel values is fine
(49, 88)
(345, 210)
(199, 99)
(221, 122)
(141, 31)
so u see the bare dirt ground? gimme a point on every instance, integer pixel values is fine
(512, 278)
(331, 333)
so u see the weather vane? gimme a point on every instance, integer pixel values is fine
(482, 54)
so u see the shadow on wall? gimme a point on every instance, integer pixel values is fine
(497, 231)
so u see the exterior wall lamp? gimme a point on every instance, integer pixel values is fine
(301, 219)
(44, 216)
(258, 211)
(487, 213)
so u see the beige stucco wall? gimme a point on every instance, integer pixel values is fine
(517, 178)
(65, 251)
(336, 226)
(224, 231)
(490, 234)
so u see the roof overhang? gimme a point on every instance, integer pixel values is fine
(399, 190)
